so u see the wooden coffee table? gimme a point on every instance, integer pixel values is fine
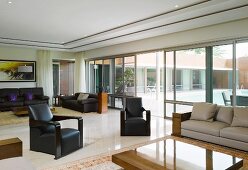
(173, 154)
(23, 110)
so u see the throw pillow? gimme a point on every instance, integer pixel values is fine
(240, 117)
(29, 96)
(12, 97)
(225, 114)
(82, 96)
(203, 111)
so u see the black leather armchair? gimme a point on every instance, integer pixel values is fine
(46, 134)
(132, 122)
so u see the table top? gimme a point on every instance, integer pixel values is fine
(172, 154)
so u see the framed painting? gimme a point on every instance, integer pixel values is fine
(17, 71)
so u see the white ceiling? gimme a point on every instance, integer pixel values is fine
(80, 25)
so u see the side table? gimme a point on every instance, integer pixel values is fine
(102, 102)
(56, 100)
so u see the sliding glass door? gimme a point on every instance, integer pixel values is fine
(222, 74)
(242, 74)
(215, 73)
(150, 81)
(185, 79)
(129, 76)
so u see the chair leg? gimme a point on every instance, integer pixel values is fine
(80, 128)
(122, 123)
(58, 153)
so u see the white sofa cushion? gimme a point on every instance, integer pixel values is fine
(203, 111)
(235, 133)
(240, 118)
(225, 114)
(211, 128)
(82, 96)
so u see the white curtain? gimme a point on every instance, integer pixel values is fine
(45, 72)
(79, 80)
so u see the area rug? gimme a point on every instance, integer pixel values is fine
(9, 117)
(102, 163)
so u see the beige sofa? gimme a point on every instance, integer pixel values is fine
(221, 125)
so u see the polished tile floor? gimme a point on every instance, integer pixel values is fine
(101, 136)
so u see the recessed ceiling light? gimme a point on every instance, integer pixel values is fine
(9, 2)
(176, 6)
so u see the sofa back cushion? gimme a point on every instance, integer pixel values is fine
(225, 114)
(93, 95)
(36, 91)
(240, 117)
(203, 111)
(4, 93)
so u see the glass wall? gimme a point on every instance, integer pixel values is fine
(185, 79)
(150, 81)
(190, 75)
(91, 77)
(107, 76)
(56, 84)
(119, 86)
(98, 68)
(181, 78)
(169, 74)
(222, 74)
(242, 74)
(129, 76)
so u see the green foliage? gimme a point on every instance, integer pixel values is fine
(217, 51)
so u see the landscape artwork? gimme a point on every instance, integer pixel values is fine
(17, 71)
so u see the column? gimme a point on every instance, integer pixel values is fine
(157, 76)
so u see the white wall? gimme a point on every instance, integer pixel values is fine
(235, 29)
(28, 54)
(16, 53)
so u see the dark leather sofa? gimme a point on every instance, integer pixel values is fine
(37, 97)
(88, 105)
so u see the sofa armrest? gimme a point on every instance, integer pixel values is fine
(148, 116)
(177, 119)
(39, 123)
(10, 148)
(59, 118)
(40, 97)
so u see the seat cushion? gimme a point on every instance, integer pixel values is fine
(211, 128)
(70, 140)
(203, 111)
(11, 104)
(235, 133)
(135, 126)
